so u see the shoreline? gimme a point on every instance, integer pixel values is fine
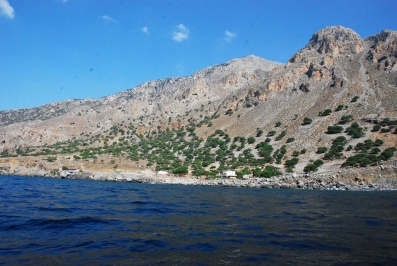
(375, 179)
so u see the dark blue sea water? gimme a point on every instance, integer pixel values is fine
(53, 221)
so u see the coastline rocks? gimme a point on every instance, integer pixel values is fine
(341, 180)
(312, 182)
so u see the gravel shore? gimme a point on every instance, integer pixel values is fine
(347, 180)
(358, 179)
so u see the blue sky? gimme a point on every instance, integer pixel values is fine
(53, 50)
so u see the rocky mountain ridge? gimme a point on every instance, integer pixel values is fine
(337, 71)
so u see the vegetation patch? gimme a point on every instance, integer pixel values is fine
(355, 130)
(334, 129)
(306, 121)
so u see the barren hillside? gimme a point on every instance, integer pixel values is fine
(339, 87)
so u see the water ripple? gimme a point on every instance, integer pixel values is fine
(58, 222)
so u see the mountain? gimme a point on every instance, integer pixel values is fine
(338, 85)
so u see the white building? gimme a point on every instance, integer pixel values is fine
(228, 174)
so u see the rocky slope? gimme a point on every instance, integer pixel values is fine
(337, 71)
(152, 102)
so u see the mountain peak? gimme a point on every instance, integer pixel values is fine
(250, 63)
(335, 40)
(383, 36)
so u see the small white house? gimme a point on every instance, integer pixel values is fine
(162, 173)
(228, 174)
(68, 172)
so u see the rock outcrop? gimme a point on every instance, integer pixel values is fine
(383, 50)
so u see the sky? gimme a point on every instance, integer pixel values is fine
(53, 50)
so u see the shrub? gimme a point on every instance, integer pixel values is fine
(321, 150)
(361, 159)
(251, 140)
(180, 170)
(281, 135)
(339, 108)
(349, 148)
(259, 133)
(243, 172)
(51, 159)
(334, 129)
(364, 146)
(325, 112)
(199, 172)
(376, 128)
(375, 150)
(387, 154)
(355, 130)
(271, 133)
(229, 112)
(310, 168)
(278, 124)
(306, 121)
(336, 148)
(346, 119)
(270, 171)
(265, 150)
(378, 142)
(296, 153)
(289, 140)
(332, 154)
(318, 162)
(291, 163)
(339, 141)
(388, 122)
(355, 98)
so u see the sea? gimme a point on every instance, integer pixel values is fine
(45, 221)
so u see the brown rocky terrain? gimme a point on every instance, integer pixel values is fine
(336, 70)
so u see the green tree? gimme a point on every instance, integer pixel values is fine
(259, 132)
(325, 112)
(310, 168)
(387, 154)
(376, 128)
(243, 172)
(318, 162)
(334, 129)
(251, 140)
(290, 164)
(281, 135)
(339, 108)
(51, 159)
(307, 121)
(271, 133)
(270, 171)
(361, 159)
(355, 130)
(321, 150)
(346, 119)
(180, 170)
